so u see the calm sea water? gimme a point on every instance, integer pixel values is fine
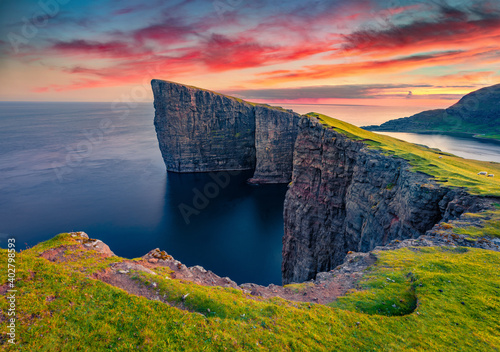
(61, 171)
(465, 147)
(84, 167)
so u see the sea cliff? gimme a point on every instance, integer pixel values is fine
(345, 197)
(202, 131)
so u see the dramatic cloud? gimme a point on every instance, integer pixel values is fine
(450, 28)
(220, 53)
(111, 49)
(368, 67)
(409, 45)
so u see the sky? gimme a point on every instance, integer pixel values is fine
(366, 52)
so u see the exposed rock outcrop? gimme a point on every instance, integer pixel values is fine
(202, 131)
(326, 288)
(347, 197)
(275, 134)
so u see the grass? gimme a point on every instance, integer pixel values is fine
(444, 167)
(482, 224)
(298, 288)
(489, 136)
(61, 307)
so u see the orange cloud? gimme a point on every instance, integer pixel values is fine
(370, 67)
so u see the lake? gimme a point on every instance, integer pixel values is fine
(88, 167)
(469, 148)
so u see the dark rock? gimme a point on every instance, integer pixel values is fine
(343, 196)
(202, 131)
(275, 134)
(346, 197)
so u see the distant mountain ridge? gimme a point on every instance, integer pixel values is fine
(476, 114)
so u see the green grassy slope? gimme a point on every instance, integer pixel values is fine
(482, 224)
(477, 114)
(444, 300)
(446, 168)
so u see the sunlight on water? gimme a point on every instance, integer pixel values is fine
(465, 147)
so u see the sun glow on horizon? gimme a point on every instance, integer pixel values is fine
(418, 53)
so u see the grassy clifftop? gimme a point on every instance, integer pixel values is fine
(448, 169)
(439, 299)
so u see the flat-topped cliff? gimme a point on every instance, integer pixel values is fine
(202, 131)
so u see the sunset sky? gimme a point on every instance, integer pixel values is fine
(379, 52)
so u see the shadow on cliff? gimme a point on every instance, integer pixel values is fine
(220, 222)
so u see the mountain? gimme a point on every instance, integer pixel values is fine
(476, 114)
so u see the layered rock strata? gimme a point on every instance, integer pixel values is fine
(202, 131)
(343, 196)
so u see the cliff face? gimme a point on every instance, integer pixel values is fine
(343, 197)
(346, 197)
(201, 131)
(275, 134)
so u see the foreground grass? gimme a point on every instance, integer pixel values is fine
(446, 168)
(455, 294)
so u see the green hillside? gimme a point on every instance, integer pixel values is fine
(433, 299)
(477, 114)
